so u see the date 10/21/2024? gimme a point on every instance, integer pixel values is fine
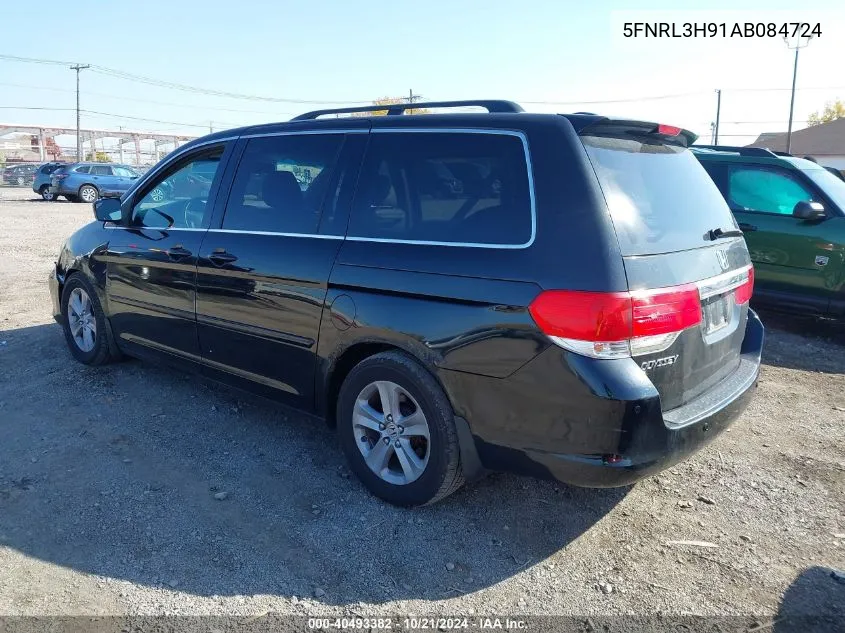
(721, 29)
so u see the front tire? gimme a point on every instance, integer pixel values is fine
(88, 193)
(397, 429)
(87, 332)
(45, 193)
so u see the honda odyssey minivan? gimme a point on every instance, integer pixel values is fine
(563, 296)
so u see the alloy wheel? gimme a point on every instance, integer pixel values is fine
(391, 431)
(81, 320)
(88, 194)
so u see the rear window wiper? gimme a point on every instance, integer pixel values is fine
(716, 234)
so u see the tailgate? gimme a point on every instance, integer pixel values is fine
(675, 231)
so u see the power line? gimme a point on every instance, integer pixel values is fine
(119, 74)
(151, 101)
(117, 116)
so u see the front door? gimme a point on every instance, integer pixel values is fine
(152, 262)
(263, 274)
(797, 263)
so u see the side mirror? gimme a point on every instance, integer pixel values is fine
(107, 210)
(807, 210)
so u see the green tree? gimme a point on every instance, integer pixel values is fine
(832, 110)
(386, 101)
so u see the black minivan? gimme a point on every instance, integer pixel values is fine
(563, 296)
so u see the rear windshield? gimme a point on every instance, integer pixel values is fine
(49, 169)
(660, 198)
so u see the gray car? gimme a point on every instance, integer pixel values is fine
(86, 182)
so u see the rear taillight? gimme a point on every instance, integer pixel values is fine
(743, 293)
(617, 324)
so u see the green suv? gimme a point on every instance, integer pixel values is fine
(792, 213)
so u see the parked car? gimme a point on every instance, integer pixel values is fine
(553, 314)
(41, 183)
(88, 181)
(20, 174)
(792, 212)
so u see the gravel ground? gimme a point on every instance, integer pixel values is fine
(134, 489)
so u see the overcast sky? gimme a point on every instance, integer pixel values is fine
(334, 51)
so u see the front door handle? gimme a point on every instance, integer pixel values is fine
(220, 257)
(746, 228)
(178, 251)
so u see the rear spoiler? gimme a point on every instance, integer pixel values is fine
(592, 125)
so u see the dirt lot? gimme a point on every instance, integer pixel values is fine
(108, 480)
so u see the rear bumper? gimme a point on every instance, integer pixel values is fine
(600, 423)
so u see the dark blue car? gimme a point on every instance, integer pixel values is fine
(85, 182)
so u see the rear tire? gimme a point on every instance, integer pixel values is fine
(409, 469)
(44, 191)
(88, 193)
(87, 331)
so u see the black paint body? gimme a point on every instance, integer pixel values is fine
(293, 314)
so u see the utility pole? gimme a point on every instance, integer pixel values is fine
(412, 97)
(211, 127)
(77, 68)
(718, 112)
(797, 47)
(712, 133)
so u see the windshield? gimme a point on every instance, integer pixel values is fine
(832, 186)
(660, 198)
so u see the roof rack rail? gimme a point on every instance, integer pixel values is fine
(393, 109)
(742, 151)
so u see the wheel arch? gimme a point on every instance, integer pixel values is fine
(88, 184)
(339, 364)
(338, 369)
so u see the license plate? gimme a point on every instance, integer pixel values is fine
(717, 313)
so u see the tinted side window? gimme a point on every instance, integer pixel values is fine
(177, 199)
(82, 170)
(101, 170)
(765, 190)
(444, 187)
(281, 183)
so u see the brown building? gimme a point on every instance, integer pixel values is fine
(825, 143)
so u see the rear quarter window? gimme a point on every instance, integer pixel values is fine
(660, 198)
(445, 188)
